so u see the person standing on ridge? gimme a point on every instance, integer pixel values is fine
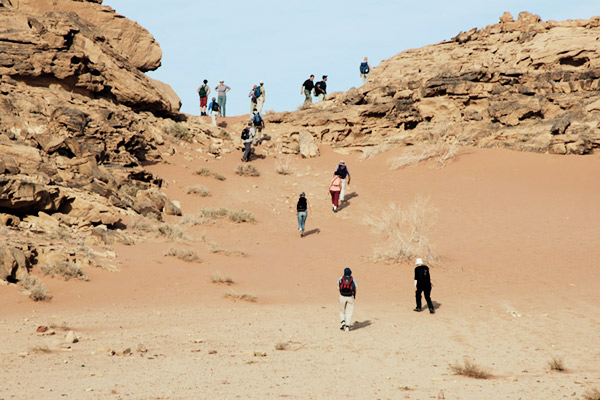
(203, 92)
(307, 87)
(321, 88)
(364, 69)
(343, 173)
(214, 110)
(423, 285)
(222, 90)
(334, 189)
(260, 101)
(347, 288)
(302, 208)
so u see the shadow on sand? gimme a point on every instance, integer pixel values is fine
(315, 231)
(347, 199)
(361, 324)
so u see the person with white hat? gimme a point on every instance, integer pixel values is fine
(423, 285)
(344, 173)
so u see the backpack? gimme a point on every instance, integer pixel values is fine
(257, 92)
(341, 171)
(301, 205)
(215, 106)
(347, 286)
(245, 133)
(364, 68)
(202, 91)
(257, 119)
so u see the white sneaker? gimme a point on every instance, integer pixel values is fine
(343, 325)
(347, 328)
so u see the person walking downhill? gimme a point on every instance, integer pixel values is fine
(214, 110)
(334, 189)
(302, 208)
(203, 92)
(364, 69)
(347, 288)
(247, 138)
(321, 88)
(260, 101)
(344, 173)
(259, 125)
(222, 90)
(307, 87)
(423, 285)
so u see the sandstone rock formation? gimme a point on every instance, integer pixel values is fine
(526, 85)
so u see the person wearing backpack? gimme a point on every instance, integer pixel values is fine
(260, 100)
(203, 92)
(347, 288)
(214, 110)
(423, 285)
(364, 69)
(254, 94)
(344, 173)
(247, 138)
(334, 189)
(307, 87)
(259, 123)
(302, 212)
(321, 88)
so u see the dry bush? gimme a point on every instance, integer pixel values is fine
(442, 153)
(405, 231)
(282, 346)
(37, 290)
(199, 190)
(247, 170)
(65, 269)
(183, 254)
(282, 165)
(232, 294)
(62, 327)
(217, 277)
(470, 369)
(204, 171)
(556, 364)
(241, 216)
(179, 131)
(592, 394)
(172, 232)
(213, 213)
(234, 216)
(195, 220)
(40, 349)
(142, 224)
(214, 248)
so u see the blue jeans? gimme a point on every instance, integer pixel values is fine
(302, 219)
(222, 100)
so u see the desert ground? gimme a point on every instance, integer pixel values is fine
(516, 284)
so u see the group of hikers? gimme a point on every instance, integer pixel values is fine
(217, 107)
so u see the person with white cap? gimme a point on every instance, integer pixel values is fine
(222, 90)
(260, 101)
(347, 288)
(423, 285)
(302, 208)
(344, 173)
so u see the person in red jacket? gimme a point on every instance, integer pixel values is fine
(335, 186)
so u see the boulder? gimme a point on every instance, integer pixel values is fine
(308, 146)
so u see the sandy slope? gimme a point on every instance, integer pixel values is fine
(517, 235)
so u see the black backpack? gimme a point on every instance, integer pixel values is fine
(215, 106)
(341, 171)
(347, 286)
(364, 68)
(245, 133)
(256, 119)
(202, 91)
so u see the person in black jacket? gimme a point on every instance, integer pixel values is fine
(307, 88)
(321, 88)
(423, 285)
(302, 210)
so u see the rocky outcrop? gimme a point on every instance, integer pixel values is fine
(523, 84)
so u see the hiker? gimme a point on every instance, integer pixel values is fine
(307, 87)
(260, 101)
(222, 90)
(203, 92)
(347, 287)
(364, 69)
(343, 173)
(254, 93)
(214, 110)
(423, 285)
(259, 123)
(321, 88)
(302, 210)
(334, 189)
(247, 138)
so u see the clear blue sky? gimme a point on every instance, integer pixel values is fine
(282, 43)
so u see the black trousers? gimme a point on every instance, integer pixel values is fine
(427, 292)
(247, 150)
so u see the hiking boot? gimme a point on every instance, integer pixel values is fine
(343, 325)
(301, 233)
(347, 329)
(417, 309)
(431, 311)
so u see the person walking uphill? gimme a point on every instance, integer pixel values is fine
(347, 287)
(307, 87)
(364, 69)
(260, 101)
(423, 285)
(203, 92)
(247, 139)
(302, 211)
(334, 189)
(222, 90)
(321, 88)
(214, 110)
(344, 173)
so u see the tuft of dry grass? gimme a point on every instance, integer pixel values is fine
(204, 171)
(65, 269)
(442, 153)
(592, 394)
(40, 349)
(405, 231)
(214, 248)
(199, 190)
(282, 165)
(470, 370)
(183, 254)
(232, 294)
(217, 277)
(234, 216)
(62, 327)
(195, 220)
(37, 290)
(179, 131)
(241, 216)
(556, 363)
(247, 170)
(380, 148)
(172, 232)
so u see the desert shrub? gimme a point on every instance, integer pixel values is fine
(470, 369)
(247, 170)
(592, 394)
(217, 277)
(405, 231)
(172, 232)
(183, 254)
(37, 290)
(232, 294)
(241, 216)
(234, 216)
(179, 131)
(204, 171)
(442, 153)
(282, 165)
(214, 248)
(40, 349)
(195, 220)
(62, 327)
(199, 190)
(556, 364)
(213, 213)
(65, 269)
(141, 224)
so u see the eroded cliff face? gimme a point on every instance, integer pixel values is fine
(526, 85)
